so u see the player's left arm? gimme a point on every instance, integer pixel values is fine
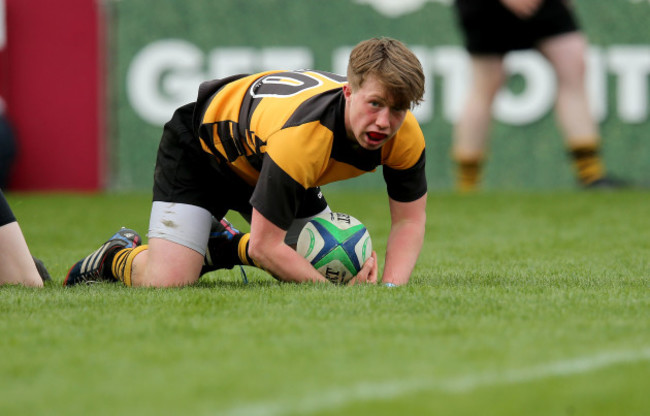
(408, 221)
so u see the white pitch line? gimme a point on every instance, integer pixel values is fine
(387, 390)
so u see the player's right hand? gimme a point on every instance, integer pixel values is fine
(368, 273)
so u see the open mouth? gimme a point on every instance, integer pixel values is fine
(375, 138)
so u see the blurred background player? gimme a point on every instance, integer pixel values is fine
(492, 28)
(262, 145)
(17, 266)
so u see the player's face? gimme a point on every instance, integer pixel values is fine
(370, 115)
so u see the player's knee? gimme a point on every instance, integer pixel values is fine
(165, 275)
(168, 279)
(168, 264)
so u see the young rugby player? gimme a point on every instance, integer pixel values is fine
(262, 145)
(491, 29)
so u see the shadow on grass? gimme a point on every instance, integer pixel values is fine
(230, 284)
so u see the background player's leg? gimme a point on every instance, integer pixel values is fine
(472, 128)
(566, 53)
(16, 263)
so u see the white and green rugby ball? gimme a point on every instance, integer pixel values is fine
(336, 244)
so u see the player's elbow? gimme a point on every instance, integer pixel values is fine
(258, 251)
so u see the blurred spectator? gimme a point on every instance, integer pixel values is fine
(491, 29)
(7, 146)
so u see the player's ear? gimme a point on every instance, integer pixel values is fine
(347, 91)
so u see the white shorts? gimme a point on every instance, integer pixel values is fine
(189, 225)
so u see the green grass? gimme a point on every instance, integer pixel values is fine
(521, 304)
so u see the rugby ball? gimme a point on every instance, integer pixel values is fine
(336, 244)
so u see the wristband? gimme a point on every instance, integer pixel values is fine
(389, 284)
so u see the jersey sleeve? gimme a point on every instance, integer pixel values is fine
(277, 196)
(404, 162)
(409, 184)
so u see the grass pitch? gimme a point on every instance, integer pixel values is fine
(521, 304)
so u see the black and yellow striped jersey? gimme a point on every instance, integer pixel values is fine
(283, 132)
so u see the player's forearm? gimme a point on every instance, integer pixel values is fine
(285, 264)
(402, 252)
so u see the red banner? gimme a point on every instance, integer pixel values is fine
(51, 80)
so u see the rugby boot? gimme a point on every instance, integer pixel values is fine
(96, 266)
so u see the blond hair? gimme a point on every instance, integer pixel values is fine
(395, 66)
